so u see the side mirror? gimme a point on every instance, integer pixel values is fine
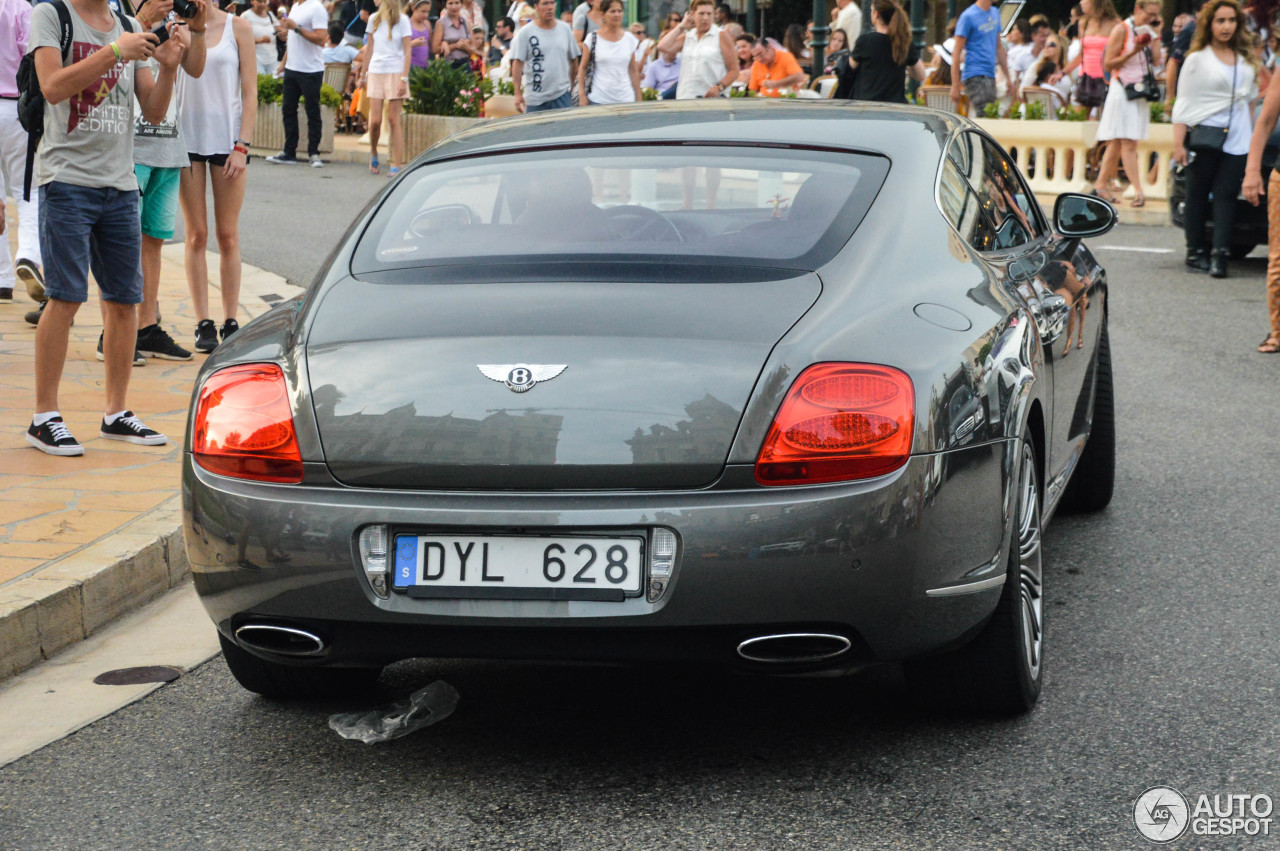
(1079, 216)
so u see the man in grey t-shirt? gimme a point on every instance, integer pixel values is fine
(544, 59)
(89, 200)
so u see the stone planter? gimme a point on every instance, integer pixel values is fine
(423, 131)
(268, 133)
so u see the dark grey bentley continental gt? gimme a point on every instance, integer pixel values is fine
(787, 386)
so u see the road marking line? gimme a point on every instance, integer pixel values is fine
(1135, 248)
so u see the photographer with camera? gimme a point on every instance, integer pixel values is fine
(159, 156)
(89, 197)
(307, 26)
(1132, 54)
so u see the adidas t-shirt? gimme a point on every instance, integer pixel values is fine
(88, 138)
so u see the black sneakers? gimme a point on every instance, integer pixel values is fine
(206, 336)
(155, 342)
(6, 295)
(138, 359)
(282, 159)
(53, 438)
(31, 276)
(129, 428)
(33, 316)
(228, 328)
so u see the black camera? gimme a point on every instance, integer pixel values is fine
(184, 8)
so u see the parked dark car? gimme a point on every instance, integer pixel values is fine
(1250, 227)
(786, 386)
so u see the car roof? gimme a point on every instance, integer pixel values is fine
(888, 129)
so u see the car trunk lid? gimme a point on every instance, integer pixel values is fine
(443, 386)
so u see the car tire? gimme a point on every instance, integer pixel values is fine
(1093, 480)
(293, 682)
(1001, 670)
(1241, 250)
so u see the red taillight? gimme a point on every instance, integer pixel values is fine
(244, 425)
(840, 421)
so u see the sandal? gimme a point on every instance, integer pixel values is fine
(1271, 345)
(374, 166)
(393, 171)
(1104, 194)
(1138, 201)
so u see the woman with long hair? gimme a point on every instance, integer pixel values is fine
(1100, 19)
(1211, 117)
(881, 59)
(610, 54)
(1133, 49)
(387, 80)
(218, 111)
(837, 49)
(452, 38)
(1044, 71)
(743, 45)
(793, 41)
(420, 29)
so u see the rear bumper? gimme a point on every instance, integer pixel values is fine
(902, 565)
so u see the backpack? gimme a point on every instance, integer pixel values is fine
(31, 99)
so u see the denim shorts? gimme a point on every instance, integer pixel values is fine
(85, 229)
(158, 188)
(563, 102)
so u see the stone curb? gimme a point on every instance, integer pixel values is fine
(78, 594)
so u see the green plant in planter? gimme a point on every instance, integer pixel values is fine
(1073, 113)
(330, 97)
(1157, 113)
(648, 94)
(506, 87)
(441, 89)
(991, 110)
(270, 90)
(1033, 112)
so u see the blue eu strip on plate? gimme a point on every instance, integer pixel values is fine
(406, 560)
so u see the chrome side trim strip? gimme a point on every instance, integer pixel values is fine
(967, 588)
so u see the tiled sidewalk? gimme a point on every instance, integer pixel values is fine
(84, 539)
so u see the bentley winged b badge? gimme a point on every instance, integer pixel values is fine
(520, 377)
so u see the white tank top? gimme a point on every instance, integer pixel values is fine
(702, 65)
(209, 106)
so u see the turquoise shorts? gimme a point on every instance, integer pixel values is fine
(158, 205)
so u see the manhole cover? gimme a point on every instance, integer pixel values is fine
(137, 676)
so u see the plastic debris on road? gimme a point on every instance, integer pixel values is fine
(425, 707)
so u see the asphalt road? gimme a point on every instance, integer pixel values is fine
(1162, 663)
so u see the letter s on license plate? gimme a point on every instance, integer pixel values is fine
(519, 567)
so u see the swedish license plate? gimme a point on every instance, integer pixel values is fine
(519, 567)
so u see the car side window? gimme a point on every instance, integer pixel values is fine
(1003, 197)
(960, 204)
(1008, 216)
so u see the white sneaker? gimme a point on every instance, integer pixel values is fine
(316, 161)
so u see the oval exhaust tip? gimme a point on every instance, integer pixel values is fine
(794, 647)
(281, 640)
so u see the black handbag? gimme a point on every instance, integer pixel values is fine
(589, 75)
(1201, 137)
(1090, 91)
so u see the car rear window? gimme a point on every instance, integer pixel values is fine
(792, 208)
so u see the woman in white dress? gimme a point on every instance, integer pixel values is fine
(610, 52)
(217, 110)
(1123, 119)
